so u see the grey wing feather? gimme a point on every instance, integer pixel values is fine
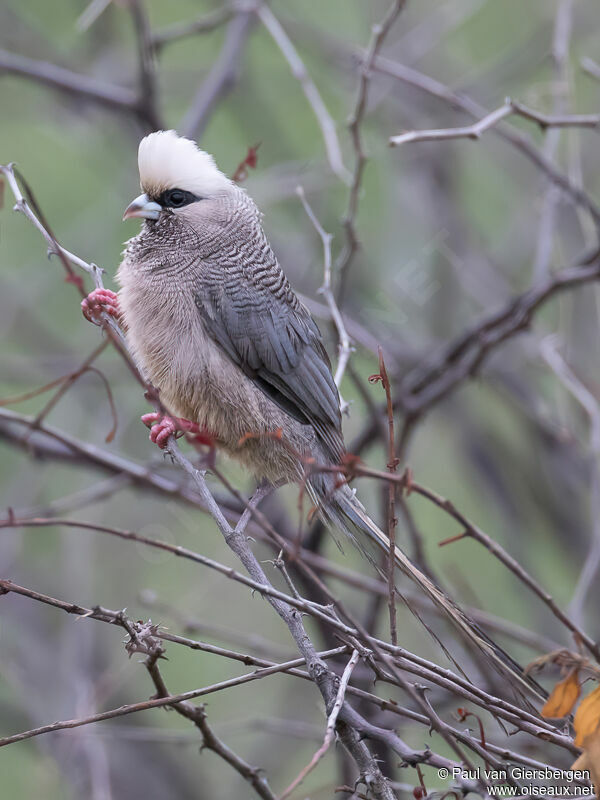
(264, 329)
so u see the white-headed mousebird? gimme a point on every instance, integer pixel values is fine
(213, 323)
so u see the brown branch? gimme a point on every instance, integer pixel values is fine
(210, 740)
(392, 521)
(378, 35)
(427, 385)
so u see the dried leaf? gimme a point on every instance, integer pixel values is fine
(590, 759)
(587, 718)
(564, 696)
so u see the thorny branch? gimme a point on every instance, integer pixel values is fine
(420, 390)
(236, 540)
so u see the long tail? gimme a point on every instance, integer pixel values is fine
(342, 507)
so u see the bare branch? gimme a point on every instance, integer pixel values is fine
(378, 35)
(462, 102)
(205, 24)
(345, 347)
(509, 108)
(222, 77)
(591, 67)
(300, 73)
(147, 92)
(116, 98)
(330, 729)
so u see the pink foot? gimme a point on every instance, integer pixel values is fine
(98, 301)
(163, 427)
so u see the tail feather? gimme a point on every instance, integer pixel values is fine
(342, 507)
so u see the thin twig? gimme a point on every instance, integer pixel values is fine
(330, 729)
(222, 76)
(180, 30)
(345, 347)
(378, 35)
(300, 73)
(510, 108)
(464, 103)
(392, 521)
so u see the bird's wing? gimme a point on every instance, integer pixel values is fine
(262, 326)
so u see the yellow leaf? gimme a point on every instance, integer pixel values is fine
(587, 718)
(590, 759)
(564, 696)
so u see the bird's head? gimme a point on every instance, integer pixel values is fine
(174, 174)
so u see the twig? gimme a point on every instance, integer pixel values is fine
(378, 35)
(345, 347)
(591, 67)
(392, 521)
(330, 729)
(209, 22)
(300, 73)
(210, 740)
(69, 380)
(509, 108)
(560, 55)
(222, 77)
(474, 532)
(323, 678)
(465, 104)
(147, 96)
(117, 98)
(426, 386)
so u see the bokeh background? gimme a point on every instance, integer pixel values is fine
(449, 230)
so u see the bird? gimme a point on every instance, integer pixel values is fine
(213, 323)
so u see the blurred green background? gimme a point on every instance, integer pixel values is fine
(449, 231)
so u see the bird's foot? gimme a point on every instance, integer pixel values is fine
(162, 427)
(100, 301)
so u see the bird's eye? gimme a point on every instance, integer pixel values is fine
(177, 198)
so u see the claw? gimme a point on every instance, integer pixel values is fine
(162, 427)
(100, 301)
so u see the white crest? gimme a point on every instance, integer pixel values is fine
(169, 161)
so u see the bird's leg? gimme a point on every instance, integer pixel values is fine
(99, 301)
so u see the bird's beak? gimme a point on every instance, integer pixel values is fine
(142, 206)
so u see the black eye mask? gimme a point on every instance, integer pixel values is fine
(177, 198)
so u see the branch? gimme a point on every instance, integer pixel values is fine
(222, 77)
(464, 357)
(469, 106)
(72, 83)
(300, 73)
(330, 729)
(378, 35)
(510, 108)
(345, 348)
(210, 740)
(206, 24)
(147, 92)
(505, 558)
